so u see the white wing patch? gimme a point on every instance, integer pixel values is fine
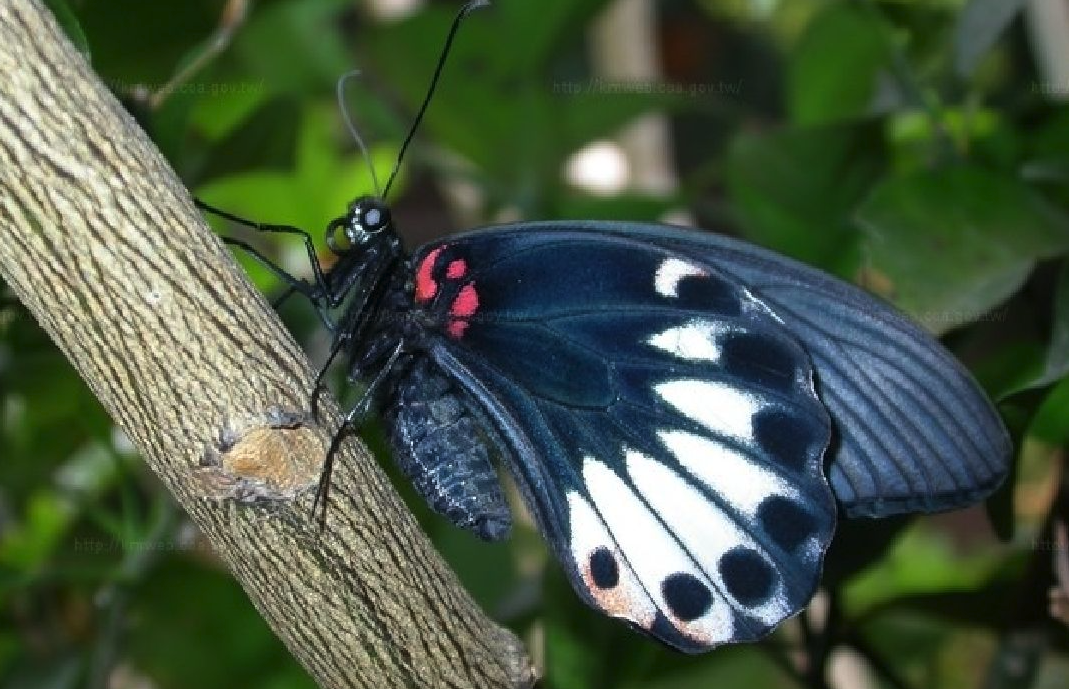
(671, 272)
(694, 341)
(717, 406)
(667, 573)
(706, 532)
(625, 597)
(728, 473)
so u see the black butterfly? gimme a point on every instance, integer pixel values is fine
(685, 414)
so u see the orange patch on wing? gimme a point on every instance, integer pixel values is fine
(621, 600)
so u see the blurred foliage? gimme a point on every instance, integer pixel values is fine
(910, 145)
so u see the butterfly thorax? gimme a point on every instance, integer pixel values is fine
(367, 285)
(391, 313)
(389, 305)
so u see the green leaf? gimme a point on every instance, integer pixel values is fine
(857, 545)
(1011, 367)
(474, 112)
(168, 638)
(11, 649)
(965, 606)
(950, 245)
(1056, 362)
(223, 104)
(794, 190)
(168, 126)
(317, 189)
(979, 27)
(137, 42)
(1048, 150)
(1051, 421)
(745, 665)
(586, 116)
(570, 666)
(924, 560)
(574, 639)
(585, 648)
(307, 28)
(914, 648)
(46, 520)
(487, 570)
(833, 69)
(61, 670)
(626, 207)
(266, 140)
(544, 26)
(915, 136)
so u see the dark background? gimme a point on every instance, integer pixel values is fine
(916, 147)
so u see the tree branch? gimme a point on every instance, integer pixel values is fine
(101, 242)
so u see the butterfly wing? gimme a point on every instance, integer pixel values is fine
(660, 421)
(913, 430)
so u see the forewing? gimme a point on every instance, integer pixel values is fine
(912, 430)
(663, 425)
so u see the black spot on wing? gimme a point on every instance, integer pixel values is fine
(760, 359)
(603, 569)
(709, 293)
(687, 597)
(665, 631)
(785, 437)
(786, 522)
(747, 576)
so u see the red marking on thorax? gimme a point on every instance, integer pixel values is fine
(426, 287)
(466, 303)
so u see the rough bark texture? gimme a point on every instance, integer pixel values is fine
(101, 242)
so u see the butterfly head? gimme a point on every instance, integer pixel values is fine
(368, 219)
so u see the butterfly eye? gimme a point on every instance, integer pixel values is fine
(375, 217)
(367, 216)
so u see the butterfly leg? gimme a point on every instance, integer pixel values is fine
(281, 299)
(296, 285)
(335, 348)
(352, 421)
(318, 293)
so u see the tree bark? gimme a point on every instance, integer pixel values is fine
(101, 242)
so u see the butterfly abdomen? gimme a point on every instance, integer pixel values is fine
(437, 444)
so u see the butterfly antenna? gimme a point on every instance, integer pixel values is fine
(340, 88)
(467, 9)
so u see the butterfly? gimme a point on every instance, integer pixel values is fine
(686, 415)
